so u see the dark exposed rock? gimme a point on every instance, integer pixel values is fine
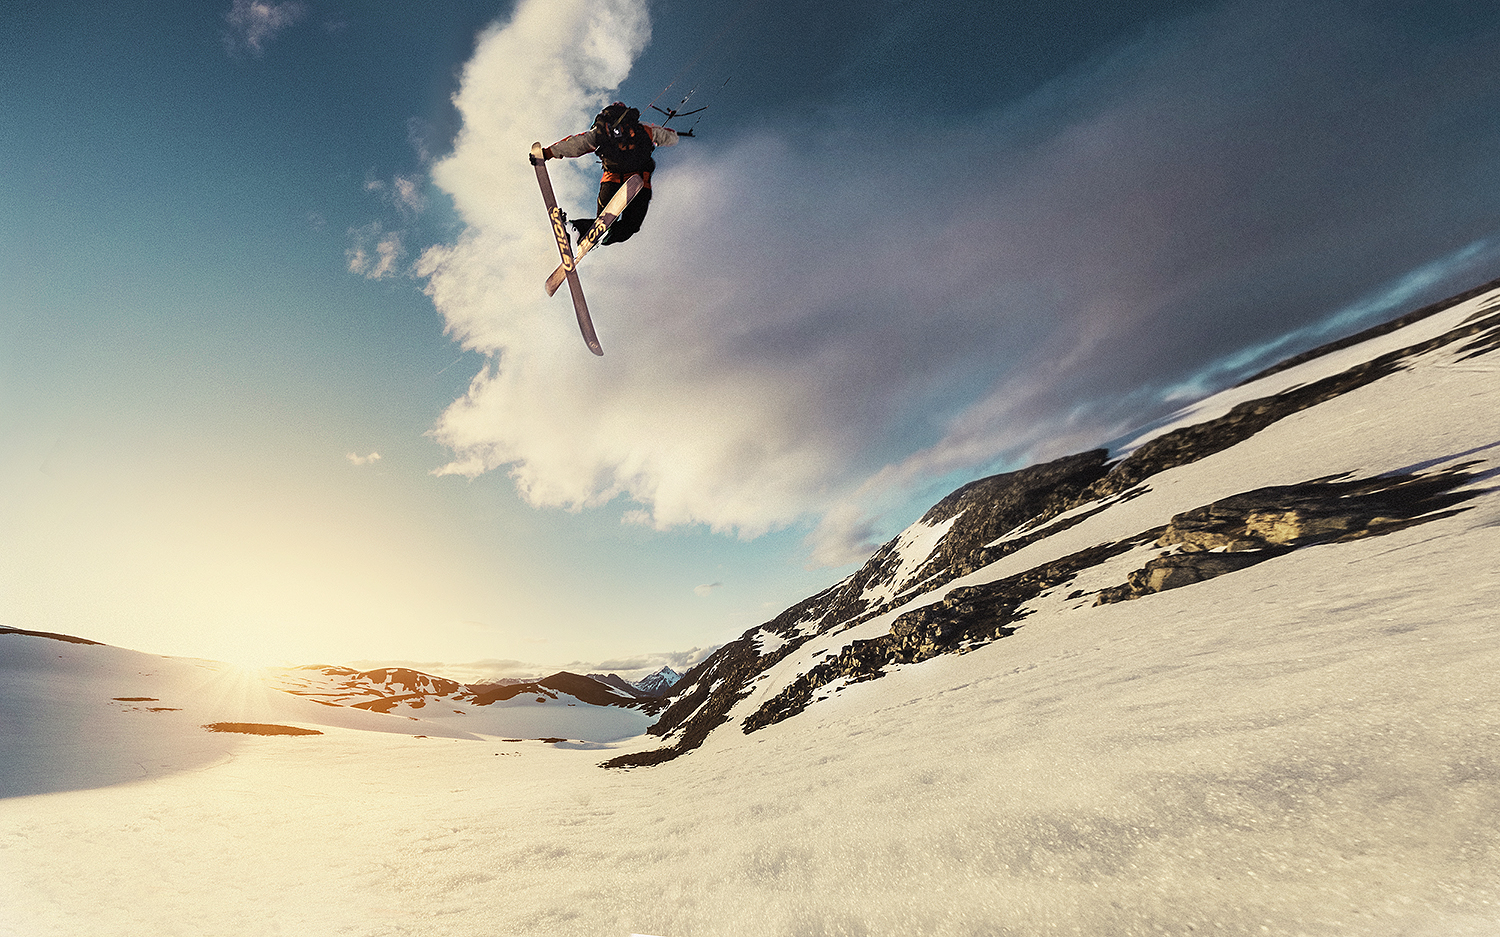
(992, 507)
(584, 688)
(1269, 522)
(616, 681)
(49, 634)
(716, 685)
(1180, 569)
(966, 618)
(986, 510)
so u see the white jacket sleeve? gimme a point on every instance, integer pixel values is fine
(662, 136)
(576, 145)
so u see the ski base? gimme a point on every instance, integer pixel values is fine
(565, 249)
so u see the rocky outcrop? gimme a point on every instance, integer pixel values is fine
(992, 507)
(966, 618)
(617, 682)
(713, 687)
(50, 634)
(1241, 531)
(982, 512)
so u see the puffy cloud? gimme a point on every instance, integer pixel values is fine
(813, 326)
(254, 23)
(356, 459)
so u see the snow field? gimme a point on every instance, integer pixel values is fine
(1305, 747)
(1269, 749)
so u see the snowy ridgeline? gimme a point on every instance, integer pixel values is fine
(1240, 681)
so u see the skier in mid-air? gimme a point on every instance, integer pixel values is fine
(624, 145)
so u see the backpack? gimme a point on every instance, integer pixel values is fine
(622, 142)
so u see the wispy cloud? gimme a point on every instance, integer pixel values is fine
(707, 589)
(254, 23)
(374, 253)
(402, 192)
(357, 459)
(816, 325)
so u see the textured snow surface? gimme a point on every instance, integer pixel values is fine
(1307, 747)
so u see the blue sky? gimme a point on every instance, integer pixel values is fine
(244, 246)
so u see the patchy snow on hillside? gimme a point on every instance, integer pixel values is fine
(914, 546)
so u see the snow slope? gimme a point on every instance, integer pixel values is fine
(1303, 747)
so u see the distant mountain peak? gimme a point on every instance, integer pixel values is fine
(657, 684)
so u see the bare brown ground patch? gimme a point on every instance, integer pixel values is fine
(258, 728)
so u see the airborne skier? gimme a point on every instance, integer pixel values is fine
(624, 145)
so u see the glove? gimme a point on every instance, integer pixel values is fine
(546, 155)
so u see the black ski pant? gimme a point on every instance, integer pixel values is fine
(630, 219)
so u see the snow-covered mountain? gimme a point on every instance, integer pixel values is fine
(659, 683)
(411, 692)
(1297, 457)
(653, 686)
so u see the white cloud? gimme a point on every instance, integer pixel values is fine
(707, 589)
(254, 23)
(363, 459)
(404, 192)
(374, 253)
(813, 329)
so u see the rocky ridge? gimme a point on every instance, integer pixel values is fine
(992, 518)
(388, 689)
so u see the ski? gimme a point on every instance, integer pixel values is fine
(565, 248)
(611, 214)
